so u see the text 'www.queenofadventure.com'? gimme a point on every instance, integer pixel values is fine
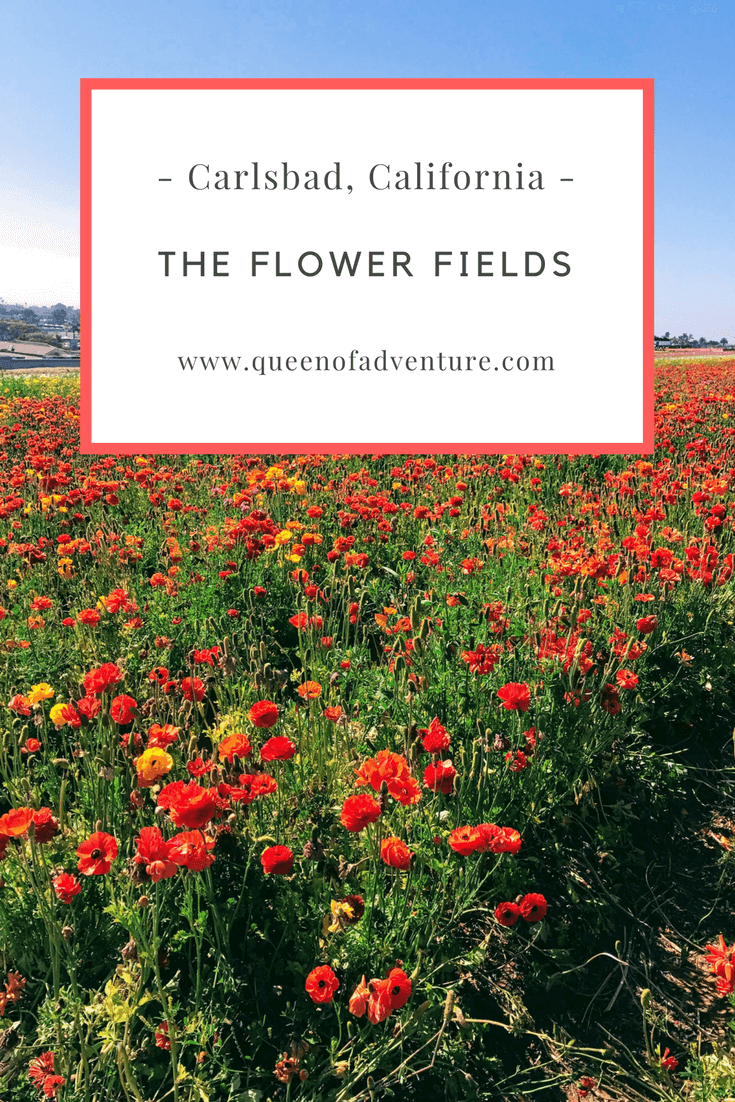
(382, 364)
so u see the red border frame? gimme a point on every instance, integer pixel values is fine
(88, 85)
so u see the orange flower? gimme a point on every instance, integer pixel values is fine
(310, 690)
(16, 822)
(234, 746)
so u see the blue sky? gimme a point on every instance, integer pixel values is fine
(687, 48)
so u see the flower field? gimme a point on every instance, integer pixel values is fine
(345, 778)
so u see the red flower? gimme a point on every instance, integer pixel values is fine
(192, 688)
(670, 1063)
(647, 624)
(321, 984)
(465, 840)
(516, 696)
(278, 748)
(97, 854)
(264, 713)
(395, 853)
(162, 1038)
(66, 886)
(379, 1001)
(158, 674)
(393, 769)
(532, 907)
(45, 826)
(507, 914)
(501, 839)
(253, 785)
(189, 805)
(162, 736)
(101, 679)
(89, 616)
(192, 850)
(20, 704)
(435, 738)
(399, 988)
(626, 679)
(154, 852)
(41, 1074)
(277, 860)
(722, 962)
(89, 707)
(310, 690)
(439, 777)
(122, 709)
(359, 811)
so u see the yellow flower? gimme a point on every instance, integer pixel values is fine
(66, 568)
(153, 763)
(39, 692)
(342, 914)
(56, 714)
(12, 584)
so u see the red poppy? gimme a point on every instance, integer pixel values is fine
(278, 748)
(122, 709)
(192, 849)
(379, 1001)
(101, 679)
(277, 860)
(399, 988)
(97, 854)
(647, 624)
(465, 840)
(192, 688)
(89, 707)
(153, 851)
(516, 696)
(162, 736)
(264, 713)
(333, 713)
(501, 839)
(253, 785)
(66, 886)
(90, 617)
(507, 914)
(396, 853)
(435, 738)
(359, 811)
(321, 984)
(45, 826)
(532, 907)
(162, 1038)
(439, 777)
(20, 704)
(189, 805)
